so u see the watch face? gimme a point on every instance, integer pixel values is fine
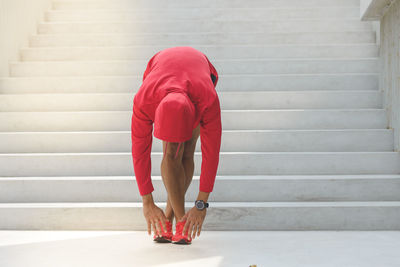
(200, 204)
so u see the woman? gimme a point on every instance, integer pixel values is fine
(177, 95)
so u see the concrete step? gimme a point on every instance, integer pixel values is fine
(249, 66)
(353, 215)
(231, 120)
(230, 163)
(135, 4)
(203, 13)
(198, 25)
(228, 100)
(232, 141)
(210, 38)
(217, 52)
(130, 84)
(227, 188)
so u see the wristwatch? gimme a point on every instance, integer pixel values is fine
(200, 204)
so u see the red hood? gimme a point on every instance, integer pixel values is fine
(174, 118)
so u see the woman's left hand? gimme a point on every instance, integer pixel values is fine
(194, 220)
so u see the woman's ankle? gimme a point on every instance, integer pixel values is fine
(178, 219)
(171, 218)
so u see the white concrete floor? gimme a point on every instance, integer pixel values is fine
(211, 248)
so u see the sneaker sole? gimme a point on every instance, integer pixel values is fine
(162, 240)
(182, 241)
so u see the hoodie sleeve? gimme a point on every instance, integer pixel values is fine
(210, 136)
(142, 137)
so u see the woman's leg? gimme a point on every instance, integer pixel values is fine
(173, 175)
(187, 161)
(188, 156)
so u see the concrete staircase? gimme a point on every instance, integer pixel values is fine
(305, 142)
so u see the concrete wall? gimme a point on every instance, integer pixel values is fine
(18, 19)
(387, 13)
(390, 67)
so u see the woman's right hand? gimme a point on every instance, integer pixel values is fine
(154, 215)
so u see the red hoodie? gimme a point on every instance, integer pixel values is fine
(177, 94)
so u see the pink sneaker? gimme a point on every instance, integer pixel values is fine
(165, 237)
(178, 237)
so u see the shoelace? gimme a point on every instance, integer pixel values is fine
(179, 229)
(168, 225)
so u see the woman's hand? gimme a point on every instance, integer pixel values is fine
(154, 215)
(194, 220)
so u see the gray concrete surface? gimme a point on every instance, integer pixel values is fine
(211, 248)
